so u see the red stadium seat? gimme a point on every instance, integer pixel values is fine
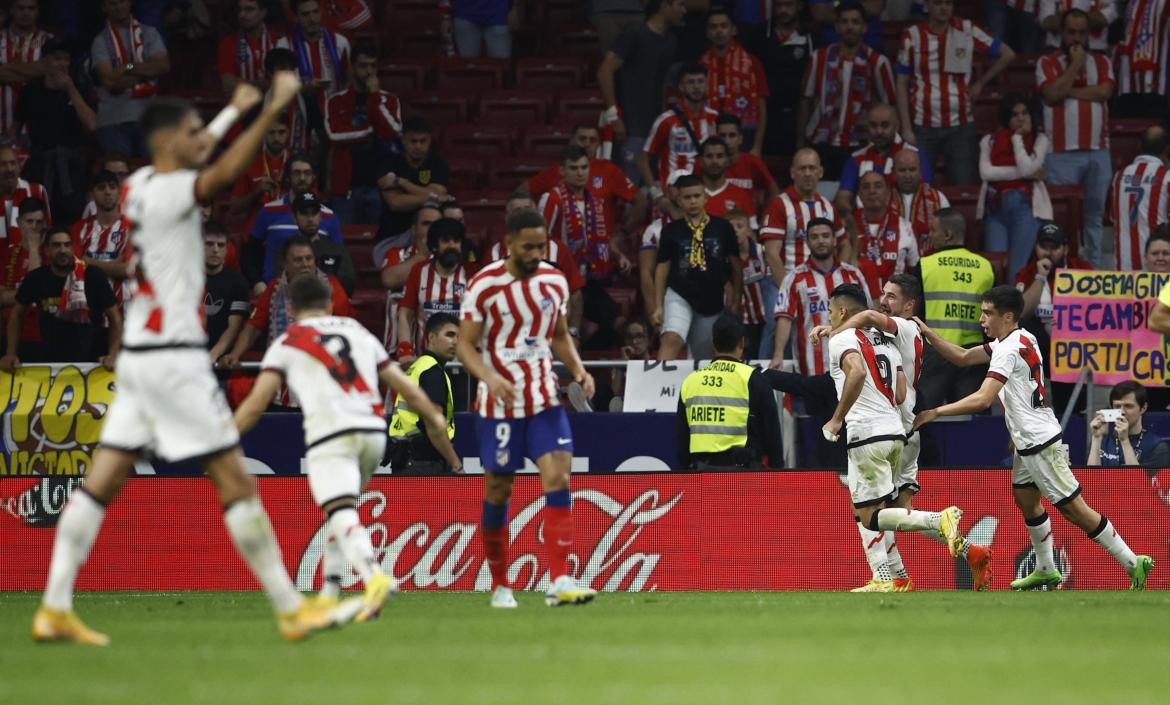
(1068, 207)
(550, 74)
(557, 13)
(466, 173)
(999, 265)
(506, 171)
(403, 77)
(484, 209)
(1020, 75)
(481, 140)
(891, 35)
(421, 43)
(472, 75)
(512, 108)
(781, 170)
(578, 40)
(439, 110)
(578, 106)
(370, 306)
(546, 141)
(986, 110)
(357, 234)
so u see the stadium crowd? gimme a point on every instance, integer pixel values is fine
(689, 157)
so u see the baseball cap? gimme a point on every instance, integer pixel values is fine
(1051, 232)
(307, 201)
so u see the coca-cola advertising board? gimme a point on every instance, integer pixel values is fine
(652, 531)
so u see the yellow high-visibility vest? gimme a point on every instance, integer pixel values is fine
(404, 423)
(953, 282)
(716, 402)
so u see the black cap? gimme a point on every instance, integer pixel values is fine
(307, 201)
(1051, 232)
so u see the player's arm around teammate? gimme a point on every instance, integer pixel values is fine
(963, 357)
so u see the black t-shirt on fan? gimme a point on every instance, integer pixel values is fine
(700, 282)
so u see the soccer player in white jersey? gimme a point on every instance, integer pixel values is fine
(333, 364)
(866, 368)
(1039, 466)
(896, 305)
(168, 400)
(515, 312)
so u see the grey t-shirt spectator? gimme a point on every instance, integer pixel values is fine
(117, 109)
(646, 56)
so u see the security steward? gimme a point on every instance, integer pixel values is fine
(409, 451)
(727, 416)
(954, 280)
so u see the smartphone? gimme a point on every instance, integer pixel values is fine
(1110, 415)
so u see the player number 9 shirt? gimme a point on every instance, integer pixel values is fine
(518, 317)
(1016, 362)
(875, 412)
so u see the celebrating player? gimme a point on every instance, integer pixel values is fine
(866, 368)
(515, 309)
(1039, 466)
(332, 364)
(899, 299)
(168, 400)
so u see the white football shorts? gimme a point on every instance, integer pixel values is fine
(871, 472)
(906, 474)
(169, 402)
(341, 466)
(1049, 472)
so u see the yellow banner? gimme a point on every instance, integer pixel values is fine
(52, 415)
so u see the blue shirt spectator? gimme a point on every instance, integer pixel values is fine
(274, 226)
(1125, 441)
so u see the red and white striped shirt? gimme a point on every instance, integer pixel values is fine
(672, 144)
(558, 256)
(1139, 202)
(11, 205)
(1143, 56)
(804, 298)
(519, 317)
(868, 159)
(938, 96)
(1099, 39)
(103, 244)
(1076, 124)
(755, 269)
(242, 56)
(397, 255)
(15, 49)
(842, 90)
(429, 291)
(786, 218)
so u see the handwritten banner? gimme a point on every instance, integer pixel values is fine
(1099, 322)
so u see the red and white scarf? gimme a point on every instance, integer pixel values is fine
(251, 59)
(135, 55)
(733, 86)
(586, 237)
(1142, 44)
(876, 247)
(926, 202)
(73, 305)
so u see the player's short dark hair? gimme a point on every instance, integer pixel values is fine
(440, 320)
(416, 124)
(308, 291)
(691, 68)
(364, 48)
(279, 59)
(585, 126)
(818, 222)
(445, 229)
(1160, 233)
(1129, 387)
(56, 230)
(851, 293)
(103, 177)
(1005, 298)
(32, 204)
(726, 333)
(713, 142)
(852, 6)
(163, 114)
(728, 119)
(297, 240)
(572, 153)
(1075, 12)
(524, 219)
(910, 285)
(687, 181)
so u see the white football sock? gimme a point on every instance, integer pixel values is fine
(76, 530)
(248, 524)
(906, 520)
(1040, 531)
(332, 568)
(346, 527)
(875, 552)
(894, 556)
(1111, 541)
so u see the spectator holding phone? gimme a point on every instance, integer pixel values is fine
(1119, 438)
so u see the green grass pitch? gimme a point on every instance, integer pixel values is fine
(942, 648)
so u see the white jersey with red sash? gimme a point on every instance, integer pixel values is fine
(17, 49)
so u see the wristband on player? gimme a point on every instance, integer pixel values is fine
(223, 122)
(405, 349)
